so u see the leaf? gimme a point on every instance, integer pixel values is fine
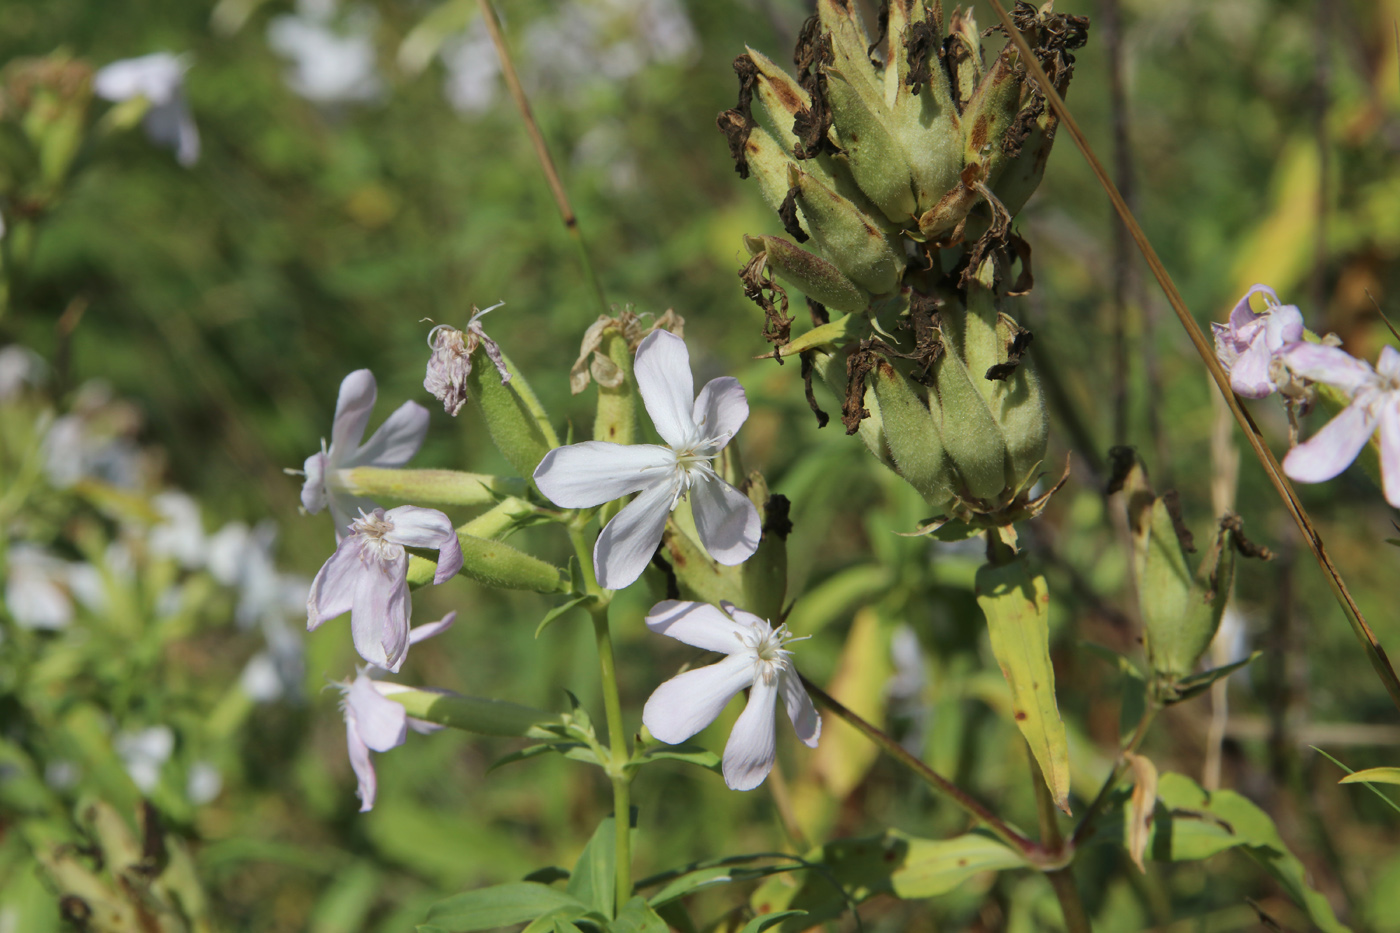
(759, 924)
(594, 879)
(936, 866)
(832, 334)
(556, 921)
(562, 608)
(845, 755)
(690, 754)
(1374, 776)
(690, 883)
(637, 917)
(1196, 684)
(499, 906)
(1371, 787)
(1016, 605)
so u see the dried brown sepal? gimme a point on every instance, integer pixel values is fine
(738, 122)
(882, 29)
(763, 290)
(818, 312)
(928, 334)
(1052, 36)
(1121, 461)
(1021, 127)
(1025, 281)
(921, 41)
(1245, 547)
(996, 237)
(812, 125)
(787, 213)
(859, 366)
(1015, 348)
(777, 519)
(808, 366)
(1172, 500)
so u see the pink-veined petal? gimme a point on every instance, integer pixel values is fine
(333, 590)
(361, 762)
(1389, 363)
(1390, 447)
(313, 490)
(427, 528)
(423, 727)
(345, 508)
(581, 476)
(1331, 365)
(397, 439)
(805, 720)
(1285, 326)
(1242, 313)
(1331, 450)
(627, 543)
(751, 749)
(668, 389)
(727, 521)
(352, 408)
(721, 408)
(698, 624)
(429, 629)
(689, 702)
(382, 723)
(1249, 376)
(379, 618)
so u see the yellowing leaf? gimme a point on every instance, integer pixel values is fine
(1140, 807)
(1373, 776)
(844, 755)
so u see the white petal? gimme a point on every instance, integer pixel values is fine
(581, 476)
(379, 618)
(751, 749)
(698, 624)
(361, 763)
(1242, 313)
(627, 543)
(721, 408)
(1389, 363)
(668, 389)
(382, 723)
(429, 629)
(1249, 376)
(1285, 326)
(727, 521)
(799, 707)
(345, 508)
(352, 408)
(397, 439)
(313, 490)
(1331, 365)
(689, 702)
(429, 528)
(333, 590)
(155, 77)
(1390, 449)
(1329, 451)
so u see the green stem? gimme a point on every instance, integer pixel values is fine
(1061, 878)
(1086, 823)
(935, 780)
(619, 754)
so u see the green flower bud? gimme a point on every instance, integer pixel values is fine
(616, 418)
(845, 234)
(970, 433)
(874, 156)
(911, 431)
(495, 564)
(518, 424)
(814, 276)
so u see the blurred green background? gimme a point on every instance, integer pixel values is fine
(225, 301)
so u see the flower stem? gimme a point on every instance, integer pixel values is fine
(551, 174)
(1086, 822)
(1062, 877)
(935, 780)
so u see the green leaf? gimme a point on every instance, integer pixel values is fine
(556, 921)
(594, 879)
(759, 924)
(1016, 604)
(1371, 787)
(562, 608)
(637, 917)
(690, 883)
(499, 906)
(937, 866)
(1196, 684)
(844, 873)
(1374, 776)
(690, 754)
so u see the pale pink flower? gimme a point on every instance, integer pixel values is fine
(1248, 347)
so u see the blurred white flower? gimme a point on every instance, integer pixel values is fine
(36, 591)
(261, 680)
(95, 441)
(19, 367)
(180, 535)
(333, 58)
(160, 79)
(61, 774)
(612, 39)
(472, 70)
(203, 783)
(144, 752)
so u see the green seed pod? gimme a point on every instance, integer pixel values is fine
(518, 424)
(815, 277)
(616, 419)
(971, 436)
(500, 565)
(912, 434)
(1019, 407)
(846, 235)
(990, 113)
(876, 159)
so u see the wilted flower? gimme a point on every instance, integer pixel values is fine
(592, 362)
(1248, 347)
(160, 79)
(367, 576)
(695, 431)
(757, 659)
(451, 362)
(328, 66)
(1375, 402)
(396, 441)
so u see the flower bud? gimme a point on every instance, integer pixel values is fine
(818, 279)
(518, 424)
(859, 248)
(911, 430)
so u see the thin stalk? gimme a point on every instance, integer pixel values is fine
(1062, 878)
(551, 174)
(1086, 822)
(935, 780)
(1370, 644)
(619, 754)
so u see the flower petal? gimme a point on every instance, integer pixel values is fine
(361, 762)
(345, 508)
(751, 749)
(352, 408)
(698, 624)
(429, 629)
(1390, 448)
(379, 618)
(1249, 376)
(799, 707)
(689, 702)
(397, 439)
(668, 389)
(382, 723)
(1331, 365)
(721, 409)
(1242, 314)
(1389, 363)
(333, 591)
(1285, 326)
(627, 543)
(429, 528)
(727, 521)
(1331, 450)
(313, 490)
(581, 476)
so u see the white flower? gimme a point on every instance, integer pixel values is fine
(472, 70)
(373, 723)
(451, 361)
(396, 441)
(757, 659)
(36, 591)
(203, 783)
(180, 534)
(160, 79)
(19, 367)
(367, 576)
(144, 753)
(695, 430)
(328, 66)
(1248, 346)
